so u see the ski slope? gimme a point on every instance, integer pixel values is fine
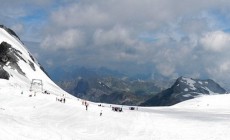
(41, 117)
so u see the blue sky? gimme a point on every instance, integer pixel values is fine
(172, 38)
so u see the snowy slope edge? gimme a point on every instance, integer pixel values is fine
(17, 65)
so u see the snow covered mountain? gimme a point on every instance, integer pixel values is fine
(17, 66)
(184, 89)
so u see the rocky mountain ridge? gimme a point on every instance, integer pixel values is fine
(111, 89)
(184, 89)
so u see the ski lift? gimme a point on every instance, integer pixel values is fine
(36, 85)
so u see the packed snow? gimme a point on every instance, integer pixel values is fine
(41, 117)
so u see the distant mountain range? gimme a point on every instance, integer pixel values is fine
(94, 86)
(112, 90)
(109, 86)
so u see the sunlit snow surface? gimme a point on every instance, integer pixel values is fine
(41, 117)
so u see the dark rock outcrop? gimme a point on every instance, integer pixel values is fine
(82, 87)
(4, 74)
(9, 55)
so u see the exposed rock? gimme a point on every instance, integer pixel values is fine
(4, 74)
(10, 56)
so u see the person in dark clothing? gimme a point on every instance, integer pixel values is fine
(86, 105)
(101, 113)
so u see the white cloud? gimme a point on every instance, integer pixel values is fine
(220, 71)
(216, 41)
(225, 67)
(65, 40)
(166, 69)
(112, 30)
(79, 15)
(117, 35)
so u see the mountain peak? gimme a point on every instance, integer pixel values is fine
(183, 89)
(11, 32)
(207, 86)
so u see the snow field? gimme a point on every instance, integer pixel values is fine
(41, 117)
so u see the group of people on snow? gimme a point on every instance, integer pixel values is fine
(61, 98)
(86, 104)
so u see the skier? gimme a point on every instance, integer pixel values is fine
(101, 113)
(86, 105)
